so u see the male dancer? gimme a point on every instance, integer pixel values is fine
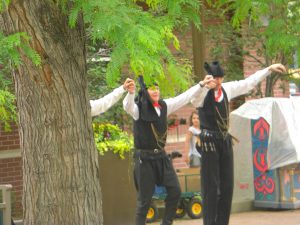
(152, 165)
(216, 142)
(103, 104)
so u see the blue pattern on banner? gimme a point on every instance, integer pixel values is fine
(264, 185)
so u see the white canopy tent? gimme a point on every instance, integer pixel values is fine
(283, 116)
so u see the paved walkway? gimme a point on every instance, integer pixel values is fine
(282, 217)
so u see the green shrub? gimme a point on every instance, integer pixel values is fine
(109, 137)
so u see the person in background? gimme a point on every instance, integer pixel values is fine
(193, 157)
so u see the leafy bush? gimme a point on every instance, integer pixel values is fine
(109, 137)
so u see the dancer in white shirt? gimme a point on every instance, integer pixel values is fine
(152, 165)
(216, 142)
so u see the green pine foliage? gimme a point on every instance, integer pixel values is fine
(10, 58)
(227, 44)
(4, 4)
(272, 27)
(281, 35)
(139, 38)
(139, 33)
(97, 85)
(10, 45)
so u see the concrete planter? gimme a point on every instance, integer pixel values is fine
(118, 192)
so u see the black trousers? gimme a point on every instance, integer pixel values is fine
(152, 171)
(217, 182)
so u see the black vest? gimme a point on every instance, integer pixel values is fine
(150, 132)
(214, 115)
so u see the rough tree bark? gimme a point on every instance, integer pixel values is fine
(269, 86)
(60, 162)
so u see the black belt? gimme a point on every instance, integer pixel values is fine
(215, 134)
(153, 151)
(149, 153)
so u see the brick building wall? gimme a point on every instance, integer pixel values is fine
(250, 66)
(11, 166)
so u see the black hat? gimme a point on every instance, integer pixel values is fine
(214, 69)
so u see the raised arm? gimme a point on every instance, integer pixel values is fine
(130, 107)
(187, 144)
(198, 90)
(236, 88)
(129, 104)
(103, 104)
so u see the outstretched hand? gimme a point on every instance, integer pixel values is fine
(129, 85)
(208, 82)
(278, 68)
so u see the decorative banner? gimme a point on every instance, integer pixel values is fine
(263, 178)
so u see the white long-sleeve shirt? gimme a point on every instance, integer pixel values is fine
(192, 142)
(103, 104)
(172, 103)
(235, 88)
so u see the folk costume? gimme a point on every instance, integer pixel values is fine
(152, 165)
(216, 143)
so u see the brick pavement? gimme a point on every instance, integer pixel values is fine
(266, 217)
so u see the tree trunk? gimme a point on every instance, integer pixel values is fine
(198, 38)
(269, 86)
(60, 163)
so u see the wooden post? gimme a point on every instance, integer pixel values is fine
(6, 204)
(292, 188)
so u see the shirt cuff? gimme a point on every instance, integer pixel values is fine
(120, 89)
(266, 71)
